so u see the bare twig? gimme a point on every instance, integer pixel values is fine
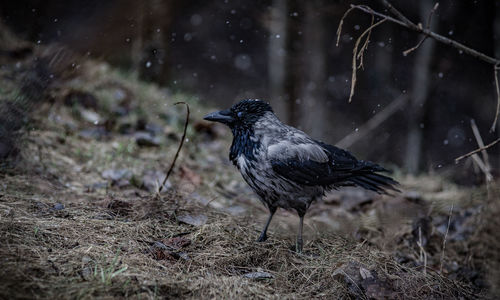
(480, 142)
(406, 52)
(437, 37)
(428, 27)
(180, 146)
(373, 123)
(483, 164)
(497, 89)
(479, 162)
(427, 32)
(477, 150)
(361, 53)
(429, 18)
(444, 240)
(355, 54)
(341, 23)
(423, 253)
(398, 14)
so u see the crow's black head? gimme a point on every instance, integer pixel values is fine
(244, 114)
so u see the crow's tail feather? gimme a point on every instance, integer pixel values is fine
(368, 178)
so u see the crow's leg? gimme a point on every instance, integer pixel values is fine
(263, 234)
(299, 243)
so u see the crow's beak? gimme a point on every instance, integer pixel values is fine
(223, 116)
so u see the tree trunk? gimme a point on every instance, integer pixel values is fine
(419, 94)
(293, 72)
(312, 114)
(151, 43)
(276, 58)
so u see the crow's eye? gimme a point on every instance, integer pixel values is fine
(240, 114)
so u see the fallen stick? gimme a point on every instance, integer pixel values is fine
(178, 149)
(477, 150)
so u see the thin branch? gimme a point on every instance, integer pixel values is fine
(480, 164)
(497, 89)
(427, 32)
(180, 146)
(429, 18)
(361, 53)
(406, 52)
(341, 23)
(477, 150)
(480, 142)
(437, 37)
(444, 240)
(398, 14)
(428, 27)
(355, 54)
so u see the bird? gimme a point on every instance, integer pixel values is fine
(288, 169)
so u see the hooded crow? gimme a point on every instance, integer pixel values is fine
(287, 168)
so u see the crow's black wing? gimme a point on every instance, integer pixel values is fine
(305, 164)
(296, 162)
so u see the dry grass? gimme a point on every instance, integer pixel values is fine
(86, 251)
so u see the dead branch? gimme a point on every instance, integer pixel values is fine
(341, 23)
(477, 150)
(403, 21)
(361, 53)
(178, 149)
(480, 143)
(494, 125)
(437, 37)
(428, 26)
(398, 14)
(487, 174)
(373, 123)
(356, 53)
(483, 164)
(444, 240)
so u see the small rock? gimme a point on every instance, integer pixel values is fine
(154, 129)
(87, 273)
(97, 133)
(116, 175)
(193, 220)
(236, 210)
(90, 116)
(96, 186)
(258, 275)
(86, 259)
(58, 206)
(144, 139)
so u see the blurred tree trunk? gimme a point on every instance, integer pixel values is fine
(383, 63)
(419, 94)
(293, 72)
(137, 43)
(277, 56)
(311, 112)
(150, 48)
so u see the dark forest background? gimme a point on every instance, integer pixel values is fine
(284, 51)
